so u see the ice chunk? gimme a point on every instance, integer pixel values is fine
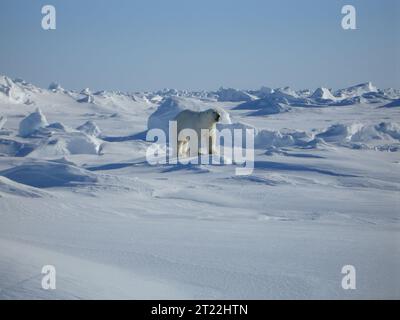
(323, 94)
(3, 121)
(55, 87)
(90, 128)
(357, 90)
(32, 122)
(233, 95)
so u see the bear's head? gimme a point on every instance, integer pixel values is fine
(213, 115)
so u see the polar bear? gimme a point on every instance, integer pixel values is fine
(203, 124)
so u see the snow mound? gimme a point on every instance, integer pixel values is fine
(340, 132)
(32, 123)
(321, 97)
(322, 94)
(233, 95)
(10, 187)
(158, 95)
(86, 99)
(348, 101)
(391, 93)
(66, 143)
(357, 90)
(221, 127)
(17, 91)
(55, 87)
(280, 138)
(90, 128)
(234, 125)
(304, 93)
(279, 101)
(286, 92)
(77, 143)
(385, 135)
(59, 140)
(45, 174)
(155, 98)
(119, 101)
(12, 148)
(10, 91)
(393, 104)
(265, 106)
(170, 108)
(262, 92)
(390, 128)
(86, 92)
(58, 126)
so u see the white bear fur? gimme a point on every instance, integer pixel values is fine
(203, 123)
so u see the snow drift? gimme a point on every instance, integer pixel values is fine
(233, 95)
(45, 174)
(231, 127)
(57, 139)
(393, 104)
(13, 148)
(357, 90)
(12, 188)
(265, 106)
(383, 136)
(66, 143)
(279, 139)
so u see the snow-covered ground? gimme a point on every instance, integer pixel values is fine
(77, 192)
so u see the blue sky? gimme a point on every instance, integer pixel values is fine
(151, 44)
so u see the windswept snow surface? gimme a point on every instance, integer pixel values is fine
(324, 193)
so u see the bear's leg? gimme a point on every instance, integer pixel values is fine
(211, 144)
(183, 149)
(203, 142)
(179, 149)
